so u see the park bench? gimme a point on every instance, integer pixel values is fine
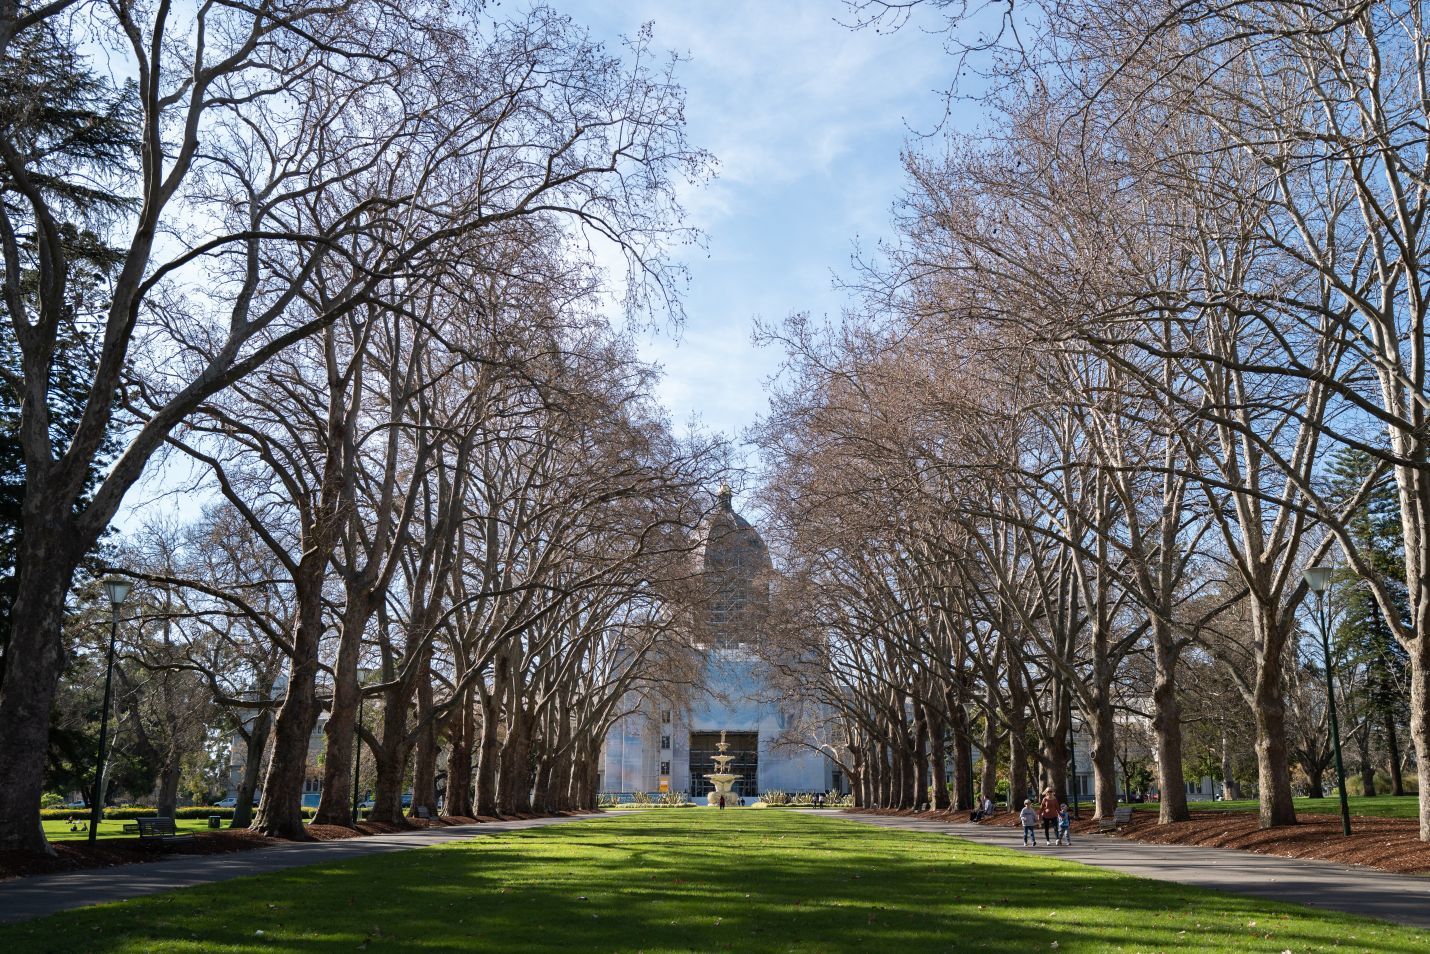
(158, 828)
(1120, 818)
(423, 812)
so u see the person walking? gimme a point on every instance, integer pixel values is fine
(1029, 817)
(1048, 812)
(1064, 826)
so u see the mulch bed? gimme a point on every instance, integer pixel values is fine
(108, 852)
(111, 852)
(1389, 844)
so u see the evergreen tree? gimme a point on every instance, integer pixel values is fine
(1363, 637)
(62, 117)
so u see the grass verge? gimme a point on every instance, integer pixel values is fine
(60, 831)
(1371, 806)
(704, 881)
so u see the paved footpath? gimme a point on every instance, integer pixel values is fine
(24, 898)
(1403, 899)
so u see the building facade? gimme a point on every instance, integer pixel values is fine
(668, 747)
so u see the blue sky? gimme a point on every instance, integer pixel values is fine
(807, 119)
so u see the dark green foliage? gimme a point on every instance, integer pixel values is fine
(1363, 634)
(71, 127)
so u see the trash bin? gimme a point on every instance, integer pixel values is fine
(215, 821)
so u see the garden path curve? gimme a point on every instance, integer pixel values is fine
(1402, 899)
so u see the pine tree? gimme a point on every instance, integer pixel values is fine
(1363, 636)
(61, 117)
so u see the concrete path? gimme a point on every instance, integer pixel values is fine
(1403, 899)
(24, 898)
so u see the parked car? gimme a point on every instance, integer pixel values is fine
(230, 802)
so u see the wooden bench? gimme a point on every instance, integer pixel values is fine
(160, 829)
(1120, 818)
(423, 812)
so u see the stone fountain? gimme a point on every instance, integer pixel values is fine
(722, 778)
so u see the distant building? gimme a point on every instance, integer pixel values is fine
(669, 748)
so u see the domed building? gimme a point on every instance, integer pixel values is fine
(668, 747)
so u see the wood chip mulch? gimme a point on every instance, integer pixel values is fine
(109, 852)
(1389, 844)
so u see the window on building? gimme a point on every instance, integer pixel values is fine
(665, 716)
(665, 741)
(665, 768)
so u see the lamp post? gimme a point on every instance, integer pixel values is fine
(116, 589)
(1318, 578)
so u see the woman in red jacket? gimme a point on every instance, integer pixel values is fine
(1048, 812)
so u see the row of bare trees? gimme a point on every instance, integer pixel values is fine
(347, 261)
(1080, 441)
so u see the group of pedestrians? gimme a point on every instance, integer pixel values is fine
(1054, 817)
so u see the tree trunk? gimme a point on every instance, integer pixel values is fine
(335, 804)
(390, 758)
(1392, 742)
(1273, 773)
(988, 780)
(459, 759)
(33, 661)
(1231, 788)
(919, 756)
(488, 758)
(280, 815)
(252, 765)
(937, 758)
(424, 763)
(1419, 676)
(166, 793)
(1367, 777)
(1017, 770)
(514, 779)
(1167, 725)
(962, 757)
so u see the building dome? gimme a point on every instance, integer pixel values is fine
(734, 565)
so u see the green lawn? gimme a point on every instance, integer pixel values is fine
(1375, 806)
(60, 830)
(662, 881)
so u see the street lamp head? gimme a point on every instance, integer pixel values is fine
(116, 588)
(1318, 578)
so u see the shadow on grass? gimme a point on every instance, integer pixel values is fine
(741, 881)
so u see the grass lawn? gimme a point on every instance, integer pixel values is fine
(1375, 806)
(663, 881)
(60, 830)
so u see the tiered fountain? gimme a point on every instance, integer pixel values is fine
(722, 777)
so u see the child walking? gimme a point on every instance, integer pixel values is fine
(1029, 817)
(1064, 826)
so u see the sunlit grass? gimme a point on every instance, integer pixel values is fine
(60, 830)
(1373, 806)
(702, 880)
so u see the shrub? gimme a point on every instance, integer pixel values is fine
(674, 799)
(641, 798)
(775, 798)
(607, 800)
(202, 811)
